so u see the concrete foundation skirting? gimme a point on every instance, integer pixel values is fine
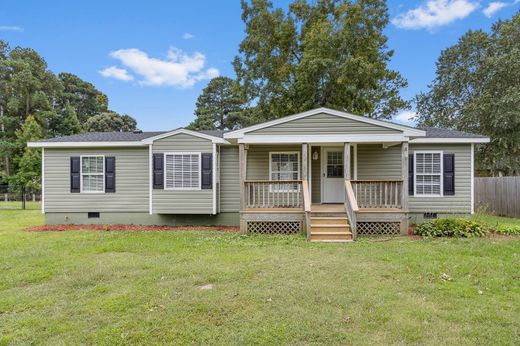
(222, 219)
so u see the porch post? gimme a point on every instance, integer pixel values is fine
(404, 175)
(242, 159)
(305, 161)
(404, 192)
(346, 161)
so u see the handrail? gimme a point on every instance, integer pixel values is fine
(273, 181)
(376, 180)
(307, 207)
(351, 207)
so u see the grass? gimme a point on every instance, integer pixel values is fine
(95, 287)
(493, 222)
(17, 205)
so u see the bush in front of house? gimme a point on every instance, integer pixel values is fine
(460, 228)
(508, 229)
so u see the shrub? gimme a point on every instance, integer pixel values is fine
(508, 229)
(461, 228)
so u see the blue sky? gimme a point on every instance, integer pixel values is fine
(153, 58)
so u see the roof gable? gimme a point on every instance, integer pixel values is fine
(330, 119)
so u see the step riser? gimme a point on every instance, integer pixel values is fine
(331, 221)
(327, 214)
(330, 229)
(330, 237)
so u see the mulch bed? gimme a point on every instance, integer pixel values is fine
(135, 228)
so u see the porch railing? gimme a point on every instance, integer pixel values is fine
(351, 207)
(378, 193)
(273, 194)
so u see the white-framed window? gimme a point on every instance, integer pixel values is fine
(284, 166)
(182, 171)
(92, 174)
(428, 173)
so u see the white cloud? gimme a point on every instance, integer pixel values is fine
(10, 28)
(435, 13)
(117, 73)
(495, 6)
(187, 36)
(405, 117)
(179, 69)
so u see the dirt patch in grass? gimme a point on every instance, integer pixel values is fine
(136, 228)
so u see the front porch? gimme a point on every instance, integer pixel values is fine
(336, 191)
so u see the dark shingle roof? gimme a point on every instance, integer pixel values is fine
(105, 137)
(138, 136)
(447, 133)
(119, 136)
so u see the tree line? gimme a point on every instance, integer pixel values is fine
(35, 103)
(333, 53)
(328, 53)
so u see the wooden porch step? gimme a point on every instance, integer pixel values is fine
(329, 228)
(328, 220)
(331, 236)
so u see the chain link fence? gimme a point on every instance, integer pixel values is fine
(19, 198)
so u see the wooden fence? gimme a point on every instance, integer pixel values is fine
(498, 195)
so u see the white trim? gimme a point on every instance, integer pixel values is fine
(150, 179)
(84, 144)
(440, 174)
(355, 161)
(214, 177)
(271, 189)
(451, 140)
(198, 153)
(409, 131)
(472, 178)
(322, 139)
(43, 181)
(81, 173)
(187, 132)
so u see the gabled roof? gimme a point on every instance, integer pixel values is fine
(407, 130)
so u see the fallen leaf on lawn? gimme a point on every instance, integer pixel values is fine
(206, 287)
(347, 319)
(445, 277)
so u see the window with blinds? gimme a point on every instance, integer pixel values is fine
(428, 173)
(182, 171)
(92, 173)
(284, 166)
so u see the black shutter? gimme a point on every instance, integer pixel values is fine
(207, 170)
(410, 175)
(110, 174)
(158, 171)
(75, 174)
(449, 174)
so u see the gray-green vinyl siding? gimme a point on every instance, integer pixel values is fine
(258, 159)
(182, 201)
(132, 184)
(375, 162)
(229, 179)
(324, 124)
(461, 201)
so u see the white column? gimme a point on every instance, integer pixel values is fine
(346, 161)
(214, 178)
(305, 161)
(404, 175)
(150, 179)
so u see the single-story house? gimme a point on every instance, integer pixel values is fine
(329, 174)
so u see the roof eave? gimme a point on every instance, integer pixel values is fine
(85, 144)
(451, 140)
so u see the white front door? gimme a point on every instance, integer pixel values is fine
(333, 188)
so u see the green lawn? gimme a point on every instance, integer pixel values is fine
(86, 287)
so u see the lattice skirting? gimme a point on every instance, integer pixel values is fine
(274, 227)
(378, 228)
